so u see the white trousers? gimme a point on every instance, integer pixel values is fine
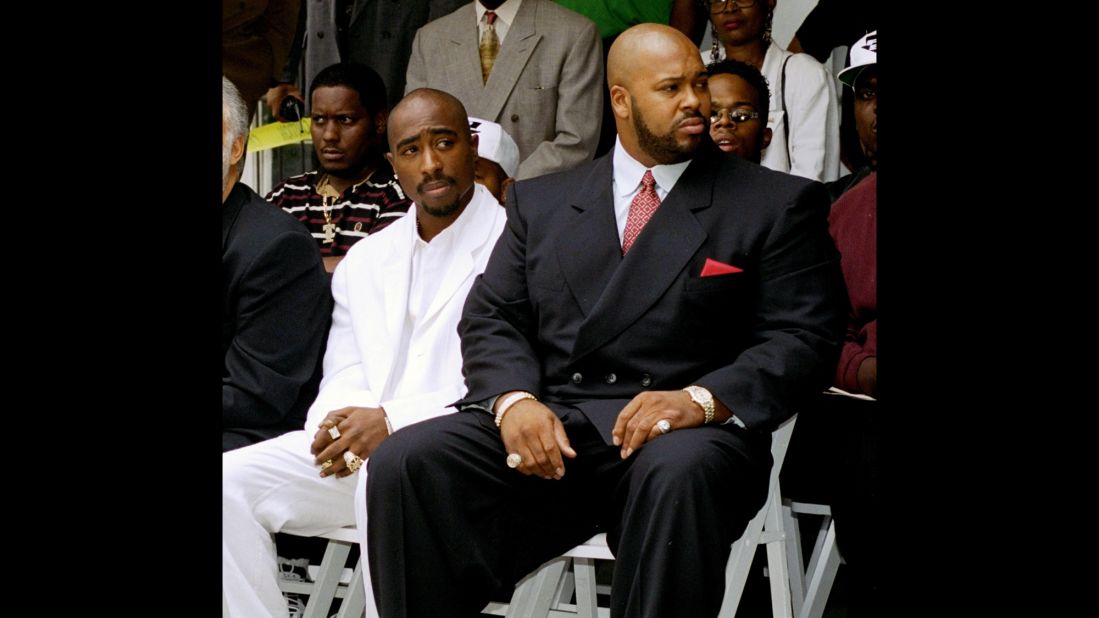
(270, 487)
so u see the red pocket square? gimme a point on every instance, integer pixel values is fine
(713, 267)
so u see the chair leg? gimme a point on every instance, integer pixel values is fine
(565, 588)
(587, 599)
(778, 570)
(328, 579)
(794, 561)
(354, 602)
(740, 560)
(744, 549)
(822, 573)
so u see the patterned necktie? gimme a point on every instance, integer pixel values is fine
(490, 45)
(642, 207)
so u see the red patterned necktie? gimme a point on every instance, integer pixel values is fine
(642, 207)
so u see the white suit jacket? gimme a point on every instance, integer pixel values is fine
(546, 87)
(370, 287)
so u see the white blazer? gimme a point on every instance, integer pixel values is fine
(370, 287)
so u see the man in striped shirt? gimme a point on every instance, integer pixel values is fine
(354, 193)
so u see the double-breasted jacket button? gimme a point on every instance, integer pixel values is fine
(611, 378)
(577, 378)
(646, 380)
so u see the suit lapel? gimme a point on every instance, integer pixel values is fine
(463, 57)
(473, 235)
(654, 262)
(513, 56)
(591, 238)
(394, 272)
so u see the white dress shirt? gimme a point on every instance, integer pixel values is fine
(429, 264)
(505, 16)
(627, 182)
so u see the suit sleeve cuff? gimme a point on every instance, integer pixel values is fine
(485, 405)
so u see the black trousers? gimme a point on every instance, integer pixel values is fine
(451, 527)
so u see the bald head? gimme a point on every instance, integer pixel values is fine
(658, 93)
(635, 49)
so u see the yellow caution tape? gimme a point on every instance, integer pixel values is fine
(279, 134)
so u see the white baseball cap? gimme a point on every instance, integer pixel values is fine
(494, 144)
(864, 53)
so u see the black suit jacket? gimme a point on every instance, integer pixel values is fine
(561, 313)
(278, 304)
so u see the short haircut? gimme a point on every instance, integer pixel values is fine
(749, 74)
(234, 111)
(443, 97)
(358, 77)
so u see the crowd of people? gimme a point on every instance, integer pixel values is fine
(525, 333)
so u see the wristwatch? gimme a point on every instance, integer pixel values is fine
(703, 398)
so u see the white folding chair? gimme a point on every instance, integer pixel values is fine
(329, 582)
(546, 591)
(810, 586)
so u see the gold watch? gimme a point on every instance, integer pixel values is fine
(704, 399)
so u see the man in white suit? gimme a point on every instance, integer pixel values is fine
(544, 84)
(393, 356)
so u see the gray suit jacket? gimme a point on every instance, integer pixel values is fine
(546, 87)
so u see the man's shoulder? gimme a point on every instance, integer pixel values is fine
(561, 16)
(860, 196)
(293, 185)
(378, 243)
(261, 219)
(562, 185)
(452, 18)
(381, 189)
(731, 172)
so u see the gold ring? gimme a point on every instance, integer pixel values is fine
(326, 465)
(514, 460)
(353, 461)
(334, 432)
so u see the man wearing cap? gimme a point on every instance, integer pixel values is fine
(857, 507)
(497, 157)
(531, 65)
(833, 456)
(861, 78)
(645, 321)
(393, 356)
(354, 193)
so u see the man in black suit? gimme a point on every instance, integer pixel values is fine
(277, 302)
(654, 355)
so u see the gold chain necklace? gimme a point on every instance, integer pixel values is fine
(329, 195)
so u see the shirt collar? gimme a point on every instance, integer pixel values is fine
(505, 11)
(628, 172)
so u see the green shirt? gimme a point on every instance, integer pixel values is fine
(614, 16)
